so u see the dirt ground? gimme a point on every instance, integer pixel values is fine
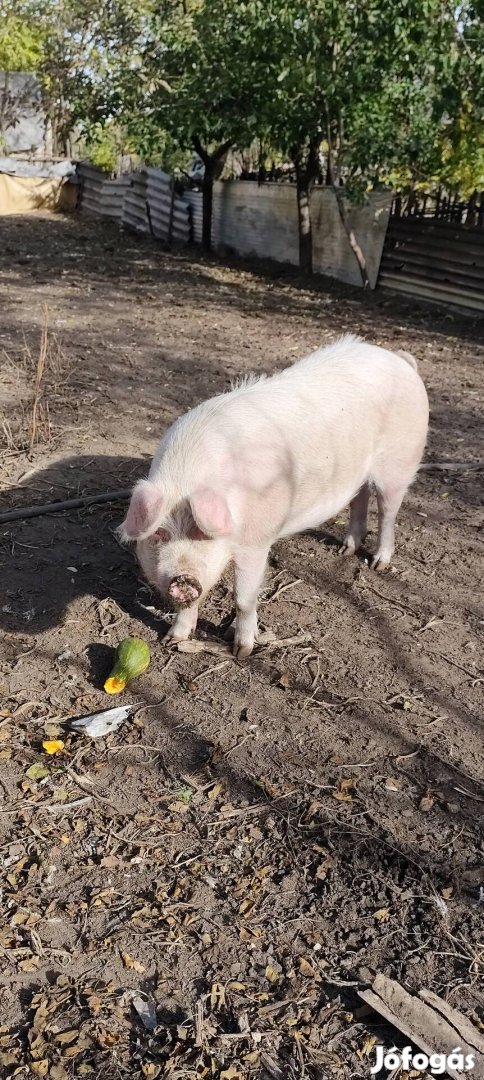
(259, 839)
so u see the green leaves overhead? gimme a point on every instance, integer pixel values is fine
(20, 42)
(392, 87)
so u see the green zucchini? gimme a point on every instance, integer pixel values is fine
(131, 659)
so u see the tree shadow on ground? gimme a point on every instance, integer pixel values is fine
(97, 252)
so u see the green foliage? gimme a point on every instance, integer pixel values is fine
(363, 78)
(95, 75)
(20, 41)
(372, 82)
(194, 76)
(391, 90)
(103, 145)
(459, 144)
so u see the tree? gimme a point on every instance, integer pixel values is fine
(199, 91)
(338, 86)
(459, 147)
(82, 52)
(350, 82)
(87, 46)
(20, 37)
(440, 149)
(352, 92)
(20, 51)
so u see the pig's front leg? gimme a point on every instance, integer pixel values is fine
(250, 564)
(184, 625)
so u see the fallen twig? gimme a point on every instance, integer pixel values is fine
(210, 670)
(383, 596)
(199, 1023)
(84, 785)
(223, 648)
(280, 590)
(451, 466)
(66, 504)
(472, 674)
(470, 794)
(66, 808)
(456, 1018)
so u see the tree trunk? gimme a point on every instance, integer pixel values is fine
(306, 173)
(213, 167)
(304, 221)
(339, 196)
(355, 247)
(471, 217)
(207, 205)
(3, 111)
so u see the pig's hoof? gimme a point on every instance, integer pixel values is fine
(174, 635)
(348, 546)
(242, 649)
(380, 563)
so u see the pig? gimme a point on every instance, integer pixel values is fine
(270, 458)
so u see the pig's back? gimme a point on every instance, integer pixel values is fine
(335, 412)
(350, 386)
(353, 366)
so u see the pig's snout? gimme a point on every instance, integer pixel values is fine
(184, 590)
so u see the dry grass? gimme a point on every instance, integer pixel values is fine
(34, 380)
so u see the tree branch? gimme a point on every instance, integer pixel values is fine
(222, 150)
(217, 154)
(200, 150)
(355, 247)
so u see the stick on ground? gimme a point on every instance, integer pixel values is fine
(67, 504)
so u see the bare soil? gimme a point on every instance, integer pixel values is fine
(259, 838)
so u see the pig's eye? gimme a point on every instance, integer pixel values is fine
(161, 535)
(196, 534)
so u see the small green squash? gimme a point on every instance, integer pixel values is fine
(132, 658)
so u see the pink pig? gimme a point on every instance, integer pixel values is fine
(273, 457)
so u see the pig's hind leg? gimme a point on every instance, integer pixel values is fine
(357, 524)
(390, 492)
(250, 564)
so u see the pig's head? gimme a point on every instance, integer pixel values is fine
(184, 550)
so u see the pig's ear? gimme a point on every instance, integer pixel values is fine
(145, 510)
(211, 512)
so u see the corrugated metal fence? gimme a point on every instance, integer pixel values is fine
(435, 260)
(100, 195)
(169, 214)
(134, 214)
(145, 201)
(262, 220)
(426, 258)
(194, 200)
(247, 218)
